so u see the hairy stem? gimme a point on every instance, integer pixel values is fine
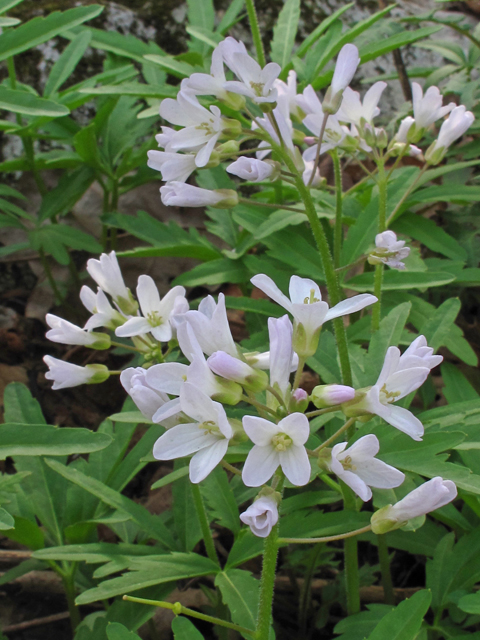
(352, 580)
(69, 586)
(254, 28)
(338, 236)
(267, 583)
(382, 225)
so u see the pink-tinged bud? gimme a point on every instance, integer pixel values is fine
(299, 401)
(262, 515)
(329, 395)
(231, 368)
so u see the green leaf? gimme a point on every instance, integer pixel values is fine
(6, 520)
(117, 631)
(470, 603)
(359, 625)
(175, 566)
(114, 42)
(95, 552)
(284, 33)
(240, 592)
(320, 29)
(29, 104)
(185, 516)
(211, 38)
(278, 220)
(149, 523)
(201, 15)
(457, 388)
(5, 5)
(9, 22)
(86, 145)
(42, 440)
(27, 533)
(438, 326)
(405, 621)
(66, 63)
(219, 496)
(55, 237)
(214, 272)
(169, 63)
(69, 190)
(184, 629)
(139, 89)
(431, 235)
(170, 477)
(39, 30)
(394, 280)
(20, 406)
(254, 305)
(376, 49)
(446, 193)
(230, 16)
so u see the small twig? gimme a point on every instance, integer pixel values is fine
(36, 622)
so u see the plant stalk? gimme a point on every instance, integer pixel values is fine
(352, 579)
(338, 235)
(267, 584)
(254, 28)
(341, 536)
(382, 225)
(385, 569)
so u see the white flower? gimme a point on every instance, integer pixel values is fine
(156, 312)
(306, 306)
(287, 96)
(65, 332)
(353, 110)
(201, 127)
(400, 376)
(251, 169)
(307, 174)
(179, 194)
(282, 358)
(308, 101)
(428, 108)
(333, 135)
(276, 445)
(147, 399)
(285, 128)
(453, 128)
(255, 83)
(347, 63)
(104, 315)
(66, 374)
(389, 251)
(165, 138)
(358, 467)
(261, 516)
(172, 166)
(427, 497)
(106, 273)
(403, 129)
(210, 326)
(203, 84)
(206, 437)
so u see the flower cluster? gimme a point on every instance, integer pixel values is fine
(342, 121)
(191, 400)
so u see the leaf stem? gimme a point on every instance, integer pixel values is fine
(178, 609)
(231, 468)
(319, 146)
(257, 39)
(270, 205)
(204, 525)
(341, 536)
(345, 427)
(259, 405)
(382, 225)
(48, 273)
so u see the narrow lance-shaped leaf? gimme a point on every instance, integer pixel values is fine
(29, 104)
(284, 32)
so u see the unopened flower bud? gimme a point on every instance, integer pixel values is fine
(267, 107)
(329, 395)
(214, 160)
(231, 128)
(239, 434)
(356, 407)
(382, 139)
(65, 374)
(262, 515)
(299, 401)
(369, 135)
(298, 137)
(234, 369)
(228, 392)
(324, 458)
(228, 149)
(234, 100)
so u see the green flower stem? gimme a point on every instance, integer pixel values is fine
(124, 346)
(406, 194)
(229, 467)
(319, 145)
(257, 39)
(267, 583)
(338, 235)
(382, 225)
(276, 395)
(341, 536)
(330, 483)
(298, 373)
(320, 412)
(352, 580)
(385, 569)
(328, 267)
(258, 405)
(345, 427)
(204, 525)
(270, 205)
(68, 580)
(179, 610)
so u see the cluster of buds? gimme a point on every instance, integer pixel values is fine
(188, 399)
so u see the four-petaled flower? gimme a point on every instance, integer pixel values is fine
(277, 445)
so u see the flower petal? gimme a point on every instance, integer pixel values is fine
(405, 421)
(296, 465)
(205, 460)
(357, 484)
(197, 404)
(133, 327)
(302, 289)
(350, 305)
(364, 448)
(259, 430)
(260, 465)
(378, 474)
(296, 426)
(180, 441)
(167, 377)
(148, 296)
(268, 286)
